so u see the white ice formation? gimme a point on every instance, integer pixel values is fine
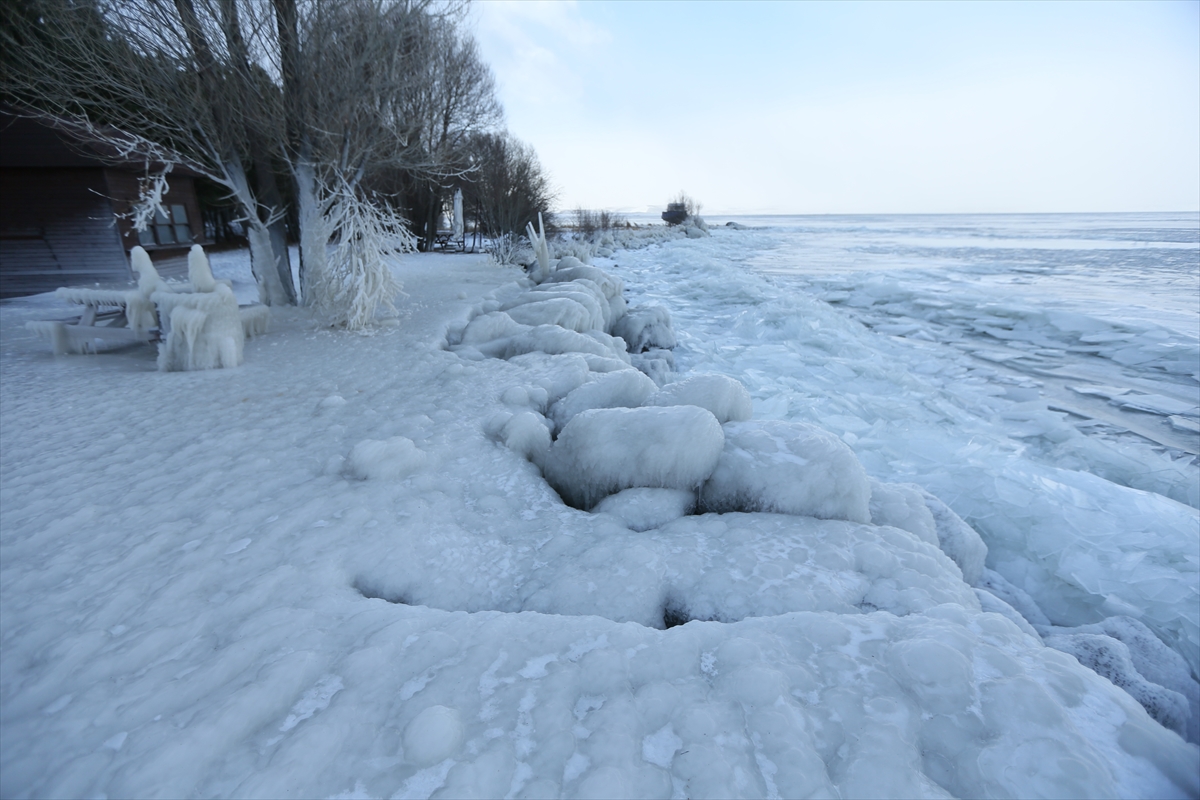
(788, 468)
(206, 330)
(725, 397)
(602, 451)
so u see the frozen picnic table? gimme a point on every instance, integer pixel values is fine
(119, 315)
(211, 325)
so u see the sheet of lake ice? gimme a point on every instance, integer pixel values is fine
(336, 571)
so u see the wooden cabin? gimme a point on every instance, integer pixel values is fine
(62, 206)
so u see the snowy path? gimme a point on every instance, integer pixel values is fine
(197, 600)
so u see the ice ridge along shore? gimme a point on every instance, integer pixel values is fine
(342, 570)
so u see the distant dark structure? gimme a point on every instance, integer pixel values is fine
(675, 213)
(63, 202)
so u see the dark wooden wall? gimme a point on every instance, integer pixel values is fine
(171, 262)
(61, 207)
(57, 229)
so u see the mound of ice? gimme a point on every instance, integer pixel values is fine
(582, 291)
(489, 327)
(993, 604)
(603, 451)
(565, 312)
(388, 459)
(658, 365)
(1085, 548)
(1110, 658)
(725, 397)
(957, 539)
(644, 327)
(789, 468)
(527, 434)
(610, 284)
(626, 388)
(549, 377)
(554, 340)
(902, 505)
(1153, 661)
(727, 567)
(643, 508)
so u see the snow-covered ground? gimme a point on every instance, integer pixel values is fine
(339, 570)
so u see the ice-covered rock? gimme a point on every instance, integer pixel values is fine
(551, 377)
(566, 312)
(957, 539)
(490, 327)
(603, 451)
(644, 327)
(788, 468)
(1016, 597)
(1154, 661)
(582, 290)
(1110, 658)
(902, 505)
(725, 397)
(993, 604)
(626, 388)
(612, 285)
(657, 365)
(643, 508)
(527, 434)
(554, 340)
(728, 567)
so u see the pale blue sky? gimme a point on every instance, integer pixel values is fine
(855, 107)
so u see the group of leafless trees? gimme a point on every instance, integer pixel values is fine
(351, 121)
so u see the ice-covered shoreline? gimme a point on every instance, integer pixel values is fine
(195, 577)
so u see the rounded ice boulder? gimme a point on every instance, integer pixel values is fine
(626, 388)
(788, 468)
(602, 451)
(645, 327)
(725, 397)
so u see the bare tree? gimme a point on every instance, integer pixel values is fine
(175, 80)
(508, 187)
(454, 101)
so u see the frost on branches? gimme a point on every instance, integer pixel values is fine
(356, 280)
